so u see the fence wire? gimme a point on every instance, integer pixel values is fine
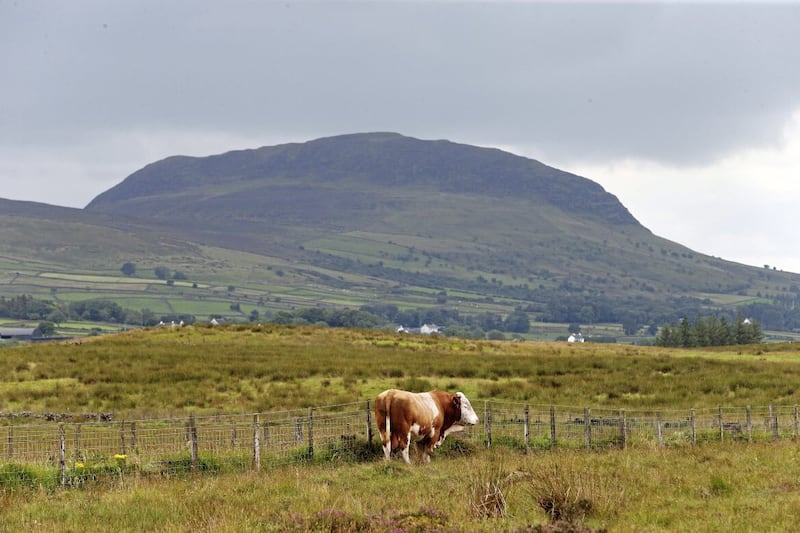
(71, 453)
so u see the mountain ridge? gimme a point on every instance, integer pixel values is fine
(383, 159)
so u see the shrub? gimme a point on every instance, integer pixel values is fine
(570, 494)
(487, 491)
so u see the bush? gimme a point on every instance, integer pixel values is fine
(570, 494)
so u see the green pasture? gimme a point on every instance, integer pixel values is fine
(240, 369)
(202, 368)
(714, 486)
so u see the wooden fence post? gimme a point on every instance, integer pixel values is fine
(62, 454)
(122, 437)
(721, 424)
(369, 424)
(527, 429)
(310, 432)
(796, 422)
(133, 436)
(623, 429)
(694, 427)
(487, 423)
(193, 439)
(587, 427)
(77, 451)
(256, 444)
(298, 429)
(749, 423)
(552, 426)
(10, 442)
(773, 417)
(659, 434)
(234, 434)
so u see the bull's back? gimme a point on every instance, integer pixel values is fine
(403, 407)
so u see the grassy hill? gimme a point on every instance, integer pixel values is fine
(371, 218)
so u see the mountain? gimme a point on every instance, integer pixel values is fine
(296, 192)
(380, 217)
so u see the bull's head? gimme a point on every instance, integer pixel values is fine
(468, 415)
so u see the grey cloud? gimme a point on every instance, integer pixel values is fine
(674, 83)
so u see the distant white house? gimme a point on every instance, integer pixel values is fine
(425, 329)
(575, 337)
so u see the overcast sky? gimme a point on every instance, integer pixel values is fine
(689, 114)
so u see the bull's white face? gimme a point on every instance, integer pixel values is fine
(468, 415)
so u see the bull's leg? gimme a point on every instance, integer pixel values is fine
(406, 449)
(387, 447)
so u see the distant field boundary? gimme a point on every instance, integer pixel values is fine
(73, 452)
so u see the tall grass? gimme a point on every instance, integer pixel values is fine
(721, 487)
(711, 487)
(264, 368)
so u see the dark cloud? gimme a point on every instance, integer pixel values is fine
(676, 83)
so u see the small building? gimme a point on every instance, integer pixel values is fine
(575, 337)
(425, 329)
(24, 334)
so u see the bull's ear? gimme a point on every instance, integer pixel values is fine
(456, 400)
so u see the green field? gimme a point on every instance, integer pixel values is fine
(713, 486)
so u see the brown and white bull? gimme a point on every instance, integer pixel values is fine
(424, 417)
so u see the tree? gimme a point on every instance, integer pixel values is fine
(46, 328)
(161, 272)
(518, 322)
(129, 269)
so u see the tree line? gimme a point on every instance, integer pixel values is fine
(710, 331)
(716, 330)
(25, 307)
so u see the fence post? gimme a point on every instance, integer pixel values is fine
(623, 429)
(796, 422)
(694, 427)
(298, 429)
(77, 451)
(552, 426)
(122, 437)
(659, 434)
(234, 434)
(193, 438)
(749, 423)
(587, 427)
(527, 430)
(10, 442)
(487, 423)
(62, 454)
(369, 424)
(773, 417)
(133, 436)
(310, 432)
(256, 444)
(721, 424)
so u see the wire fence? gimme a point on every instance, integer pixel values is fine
(71, 453)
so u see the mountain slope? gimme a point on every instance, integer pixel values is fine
(381, 217)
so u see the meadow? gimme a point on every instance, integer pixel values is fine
(714, 486)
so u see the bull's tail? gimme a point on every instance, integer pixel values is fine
(383, 405)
